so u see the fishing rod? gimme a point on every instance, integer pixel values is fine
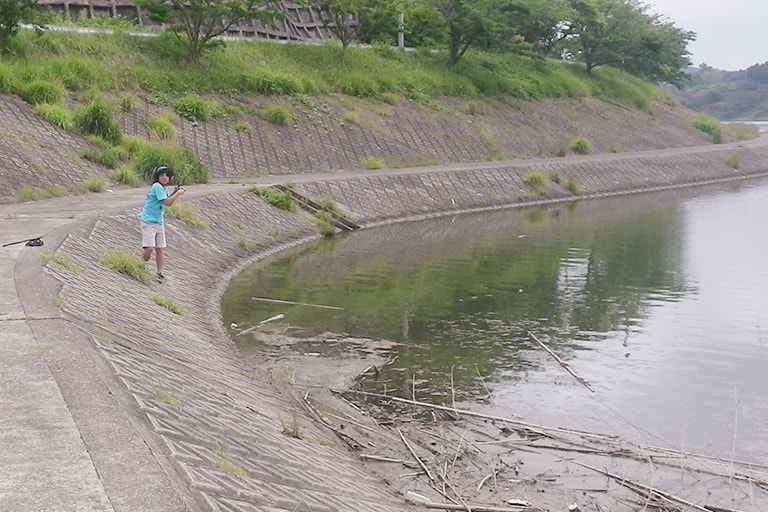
(29, 242)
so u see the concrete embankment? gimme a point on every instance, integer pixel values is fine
(169, 416)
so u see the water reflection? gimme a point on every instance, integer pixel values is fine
(657, 301)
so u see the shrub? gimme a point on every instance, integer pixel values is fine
(275, 197)
(96, 119)
(126, 176)
(195, 108)
(186, 168)
(571, 186)
(110, 157)
(537, 182)
(708, 125)
(160, 127)
(96, 185)
(243, 127)
(277, 115)
(580, 145)
(372, 162)
(326, 230)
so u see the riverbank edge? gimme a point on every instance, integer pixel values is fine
(224, 438)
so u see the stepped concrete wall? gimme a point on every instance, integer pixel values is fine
(223, 409)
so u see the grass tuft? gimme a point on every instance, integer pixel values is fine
(126, 263)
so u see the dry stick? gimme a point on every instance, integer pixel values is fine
(482, 381)
(635, 486)
(270, 319)
(278, 301)
(485, 479)
(410, 449)
(377, 458)
(562, 363)
(531, 426)
(458, 449)
(361, 426)
(451, 506)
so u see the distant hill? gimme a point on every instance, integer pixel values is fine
(728, 95)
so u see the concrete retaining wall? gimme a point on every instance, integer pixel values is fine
(218, 409)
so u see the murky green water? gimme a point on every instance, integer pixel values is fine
(658, 302)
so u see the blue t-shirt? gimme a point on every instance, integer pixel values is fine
(153, 207)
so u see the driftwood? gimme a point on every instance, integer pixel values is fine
(562, 363)
(377, 458)
(270, 319)
(278, 301)
(415, 456)
(427, 503)
(539, 429)
(644, 489)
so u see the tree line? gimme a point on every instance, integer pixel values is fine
(620, 33)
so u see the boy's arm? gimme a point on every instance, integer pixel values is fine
(178, 191)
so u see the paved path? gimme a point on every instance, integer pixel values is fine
(67, 441)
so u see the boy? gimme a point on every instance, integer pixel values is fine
(152, 228)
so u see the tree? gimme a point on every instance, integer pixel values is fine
(198, 22)
(619, 33)
(341, 18)
(12, 14)
(423, 25)
(660, 54)
(541, 24)
(469, 23)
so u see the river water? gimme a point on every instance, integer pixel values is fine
(657, 303)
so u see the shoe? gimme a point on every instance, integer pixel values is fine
(160, 277)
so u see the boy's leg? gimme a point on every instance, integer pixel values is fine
(159, 259)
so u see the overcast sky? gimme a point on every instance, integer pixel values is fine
(730, 35)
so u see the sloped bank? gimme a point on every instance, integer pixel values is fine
(234, 440)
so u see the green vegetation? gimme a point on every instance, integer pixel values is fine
(325, 224)
(194, 108)
(127, 263)
(243, 127)
(224, 464)
(708, 125)
(35, 194)
(167, 304)
(127, 68)
(126, 176)
(275, 197)
(571, 186)
(580, 145)
(60, 260)
(372, 162)
(161, 126)
(167, 397)
(185, 213)
(537, 182)
(277, 115)
(728, 95)
(54, 114)
(733, 161)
